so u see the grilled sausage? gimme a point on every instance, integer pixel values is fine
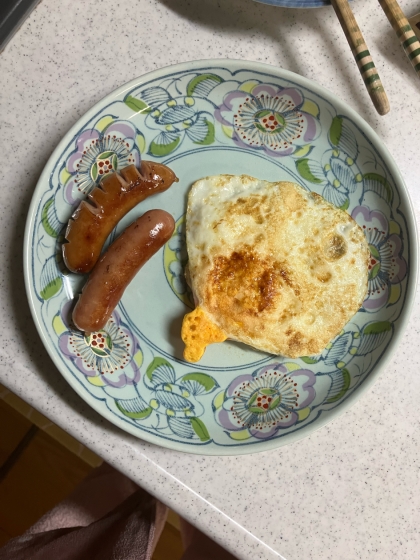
(94, 219)
(118, 266)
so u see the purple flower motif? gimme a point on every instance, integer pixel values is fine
(387, 265)
(268, 118)
(267, 401)
(99, 153)
(108, 353)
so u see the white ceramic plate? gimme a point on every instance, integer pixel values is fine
(133, 372)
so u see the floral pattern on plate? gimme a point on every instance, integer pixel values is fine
(108, 354)
(267, 401)
(110, 145)
(198, 119)
(175, 260)
(276, 120)
(387, 267)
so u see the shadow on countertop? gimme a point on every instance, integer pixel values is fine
(237, 16)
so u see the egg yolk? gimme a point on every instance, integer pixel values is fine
(197, 333)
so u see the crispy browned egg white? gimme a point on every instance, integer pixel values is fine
(271, 265)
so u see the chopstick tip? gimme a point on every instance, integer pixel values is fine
(381, 103)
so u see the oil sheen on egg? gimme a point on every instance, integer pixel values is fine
(271, 265)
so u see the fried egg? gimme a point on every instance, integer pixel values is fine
(271, 265)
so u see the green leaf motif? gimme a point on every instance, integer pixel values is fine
(199, 383)
(342, 137)
(52, 288)
(260, 127)
(49, 219)
(254, 409)
(304, 170)
(309, 360)
(99, 352)
(374, 251)
(137, 105)
(134, 408)
(200, 429)
(94, 171)
(163, 149)
(203, 84)
(345, 205)
(44, 218)
(379, 185)
(209, 139)
(50, 279)
(340, 385)
(375, 271)
(105, 155)
(161, 371)
(335, 130)
(303, 151)
(378, 327)
(252, 399)
(268, 392)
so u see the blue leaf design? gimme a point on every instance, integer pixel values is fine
(189, 428)
(173, 401)
(379, 185)
(340, 385)
(348, 142)
(201, 132)
(335, 196)
(339, 349)
(181, 427)
(155, 96)
(344, 174)
(175, 114)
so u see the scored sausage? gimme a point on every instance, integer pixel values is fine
(118, 266)
(95, 218)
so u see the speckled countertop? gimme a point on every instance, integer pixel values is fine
(350, 490)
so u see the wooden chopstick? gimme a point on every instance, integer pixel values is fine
(404, 31)
(362, 55)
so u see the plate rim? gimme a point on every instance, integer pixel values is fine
(290, 6)
(405, 198)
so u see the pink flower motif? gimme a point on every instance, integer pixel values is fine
(98, 154)
(266, 401)
(108, 353)
(269, 119)
(386, 265)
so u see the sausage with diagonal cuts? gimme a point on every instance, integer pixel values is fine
(95, 218)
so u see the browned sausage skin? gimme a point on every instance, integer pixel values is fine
(118, 266)
(94, 219)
